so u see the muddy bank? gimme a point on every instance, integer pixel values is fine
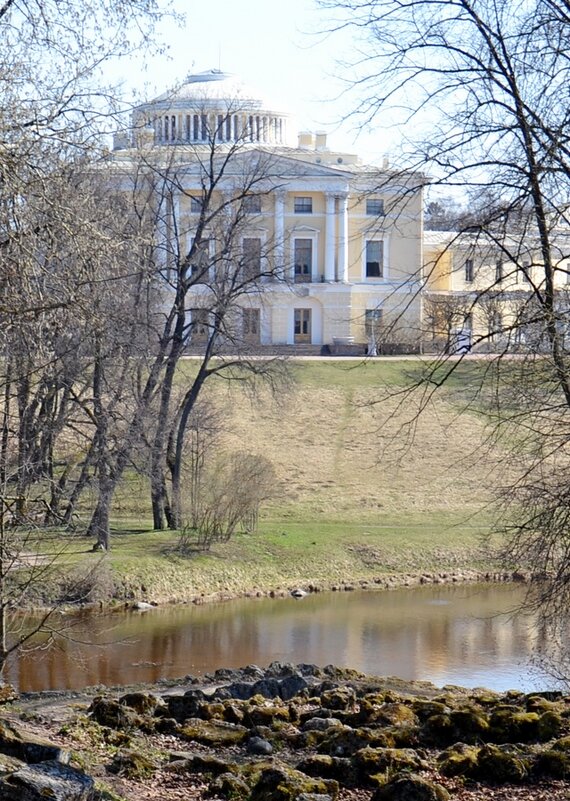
(382, 582)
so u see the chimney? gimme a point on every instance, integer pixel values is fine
(321, 140)
(306, 139)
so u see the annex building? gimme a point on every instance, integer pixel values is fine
(331, 247)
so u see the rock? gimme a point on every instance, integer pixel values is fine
(47, 780)
(339, 698)
(181, 707)
(370, 761)
(132, 765)
(459, 760)
(322, 724)
(109, 712)
(216, 733)
(143, 606)
(410, 788)
(259, 746)
(501, 765)
(292, 686)
(553, 763)
(29, 749)
(200, 763)
(286, 784)
(141, 702)
(229, 786)
(346, 741)
(512, 725)
(327, 767)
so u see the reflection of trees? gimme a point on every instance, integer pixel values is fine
(392, 632)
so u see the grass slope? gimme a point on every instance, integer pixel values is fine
(366, 487)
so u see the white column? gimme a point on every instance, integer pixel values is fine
(343, 239)
(282, 269)
(330, 237)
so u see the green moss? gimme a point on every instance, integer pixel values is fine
(553, 763)
(286, 784)
(458, 760)
(133, 765)
(370, 761)
(213, 732)
(498, 765)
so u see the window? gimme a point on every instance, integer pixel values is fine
(250, 324)
(303, 205)
(252, 204)
(303, 257)
(499, 272)
(200, 260)
(302, 325)
(469, 270)
(374, 206)
(374, 258)
(525, 272)
(200, 326)
(251, 248)
(495, 324)
(196, 204)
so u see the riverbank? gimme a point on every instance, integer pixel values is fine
(291, 732)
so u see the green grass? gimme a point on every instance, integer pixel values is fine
(365, 487)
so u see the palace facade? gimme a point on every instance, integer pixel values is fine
(337, 243)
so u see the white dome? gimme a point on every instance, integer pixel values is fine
(213, 105)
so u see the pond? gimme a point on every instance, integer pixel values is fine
(466, 635)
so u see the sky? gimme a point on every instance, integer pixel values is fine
(275, 47)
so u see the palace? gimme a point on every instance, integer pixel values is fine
(337, 244)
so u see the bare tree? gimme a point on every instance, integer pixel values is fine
(477, 87)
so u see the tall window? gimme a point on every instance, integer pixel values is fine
(252, 204)
(469, 270)
(196, 204)
(374, 206)
(498, 272)
(251, 247)
(200, 260)
(303, 256)
(250, 324)
(200, 326)
(525, 272)
(374, 258)
(303, 205)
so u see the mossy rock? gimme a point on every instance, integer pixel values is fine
(424, 708)
(326, 767)
(394, 714)
(537, 703)
(287, 784)
(233, 712)
(347, 741)
(339, 698)
(213, 710)
(213, 732)
(229, 786)
(109, 712)
(502, 765)
(469, 725)
(458, 760)
(549, 726)
(552, 763)
(132, 765)
(370, 761)
(403, 736)
(141, 702)
(266, 715)
(438, 730)
(513, 726)
(410, 788)
(202, 763)
(563, 744)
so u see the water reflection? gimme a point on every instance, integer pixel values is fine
(449, 635)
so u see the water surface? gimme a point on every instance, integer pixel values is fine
(465, 635)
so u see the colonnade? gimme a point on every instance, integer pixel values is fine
(207, 127)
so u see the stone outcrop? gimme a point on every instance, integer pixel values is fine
(300, 733)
